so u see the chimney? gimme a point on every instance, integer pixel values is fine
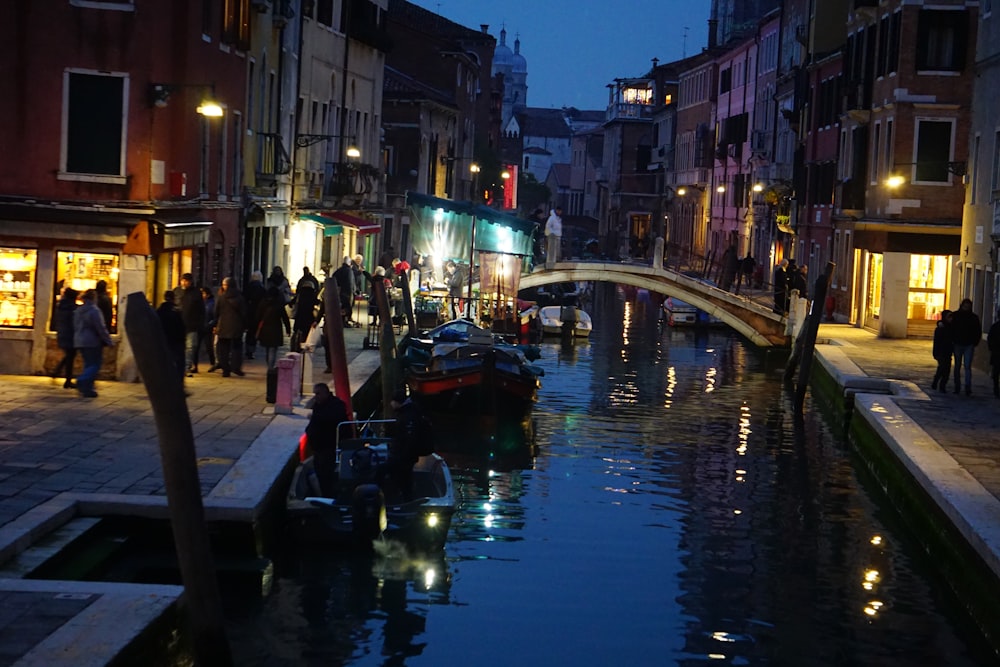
(485, 27)
(713, 38)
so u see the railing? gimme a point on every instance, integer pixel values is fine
(272, 158)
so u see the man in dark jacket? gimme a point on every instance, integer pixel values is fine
(942, 350)
(105, 305)
(328, 413)
(967, 331)
(345, 289)
(230, 322)
(64, 336)
(173, 327)
(780, 288)
(192, 311)
(993, 343)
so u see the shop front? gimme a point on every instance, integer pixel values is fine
(905, 276)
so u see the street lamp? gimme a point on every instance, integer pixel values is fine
(474, 169)
(159, 96)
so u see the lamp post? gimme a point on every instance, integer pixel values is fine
(474, 169)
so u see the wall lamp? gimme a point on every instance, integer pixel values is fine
(683, 189)
(159, 96)
(958, 168)
(304, 140)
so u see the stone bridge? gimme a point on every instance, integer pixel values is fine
(753, 320)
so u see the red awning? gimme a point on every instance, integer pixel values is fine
(361, 224)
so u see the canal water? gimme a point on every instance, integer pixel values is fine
(661, 508)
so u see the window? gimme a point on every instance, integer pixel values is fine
(83, 270)
(236, 23)
(933, 151)
(941, 40)
(324, 12)
(94, 126)
(725, 80)
(17, 287)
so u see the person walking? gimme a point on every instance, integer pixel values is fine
(206, 336)
(993, 344)
(272, 319)
(105, 305)
(967, 331)
(780, 286)
(90, 336)
(230, 321)
(307, 279)
(64, 336)
(254, 295)
(942, 350)
(175, 331)
(192, 312)
(553, 236)
(304, 316)
(278, 279)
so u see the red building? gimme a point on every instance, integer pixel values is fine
(112, 170)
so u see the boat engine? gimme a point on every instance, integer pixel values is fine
(368, 517)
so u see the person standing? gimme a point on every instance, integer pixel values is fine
(967, 331)
(104, 304)
(64, 336)
(272, 318)
(553, 236)
(192, 312)
(90, 336)
(328, 413)
(993, 344)
(358, 268)
(278, 279)
(253, 294)
(344, 277)
(455, 282)
(780, 286)
(175, 331)
(942, 350)
(305, 316)
(230, 321)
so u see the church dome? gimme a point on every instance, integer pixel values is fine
(518, 63)
(503, 57)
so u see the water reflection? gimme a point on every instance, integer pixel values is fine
(662, 507)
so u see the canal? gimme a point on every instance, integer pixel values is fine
(661, 508)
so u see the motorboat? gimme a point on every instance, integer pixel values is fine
(679, 313)
(555, 317)
(359, 512)
(461, 366)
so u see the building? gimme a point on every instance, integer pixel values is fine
(127, 120)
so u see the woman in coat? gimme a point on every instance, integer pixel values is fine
(272, 319)
(64, 336)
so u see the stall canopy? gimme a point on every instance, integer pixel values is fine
(442, 228)
(362, 225)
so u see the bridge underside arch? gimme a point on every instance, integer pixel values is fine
(762, 326)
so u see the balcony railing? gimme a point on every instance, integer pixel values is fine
(349, 178)
(272, 158)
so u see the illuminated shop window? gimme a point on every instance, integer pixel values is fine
(17, 287)
(928, 283)
(83, 270)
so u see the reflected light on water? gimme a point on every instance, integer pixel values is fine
(873, 608)
(710, 380)
(877, 540)
(722, 637)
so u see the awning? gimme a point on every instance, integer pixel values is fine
(362, 225)
(330, 226)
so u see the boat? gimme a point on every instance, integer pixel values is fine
(359, 513)
(679, 313)
(553, 317)
(459, 365)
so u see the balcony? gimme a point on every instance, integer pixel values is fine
(344, 179)
(272, 159)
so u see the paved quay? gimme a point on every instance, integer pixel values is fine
(63, 457)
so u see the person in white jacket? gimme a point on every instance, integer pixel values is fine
(553, 235)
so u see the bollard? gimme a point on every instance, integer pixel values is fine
(289, 383)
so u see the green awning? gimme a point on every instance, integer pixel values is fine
(443, 228)
(331, 227)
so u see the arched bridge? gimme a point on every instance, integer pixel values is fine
(758, 323)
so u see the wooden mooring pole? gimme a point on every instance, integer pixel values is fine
(165, 388)
(809, 333)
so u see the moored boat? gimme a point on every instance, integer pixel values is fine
(554, 318)
(459, 365)
(358, 511)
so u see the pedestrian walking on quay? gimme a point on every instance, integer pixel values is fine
(174, 329)
(206, 336)
(254, 295)
(230, 321)
(780, 288)
(64, 336)
(90, 336)
(304, 316)
(278, 279)
(105, 304)
(993, 344)
(942, 350)
(272, 319)
(967, 332)
(192, 312)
